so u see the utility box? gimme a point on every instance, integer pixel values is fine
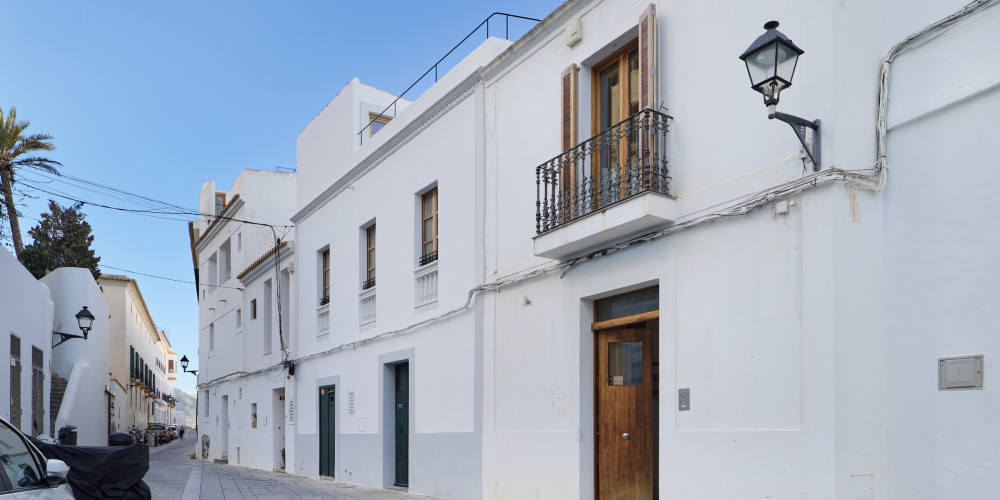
(964, 372)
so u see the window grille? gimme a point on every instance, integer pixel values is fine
(15, 381)
(37, 391)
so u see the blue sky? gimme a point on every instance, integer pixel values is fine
(157, 97)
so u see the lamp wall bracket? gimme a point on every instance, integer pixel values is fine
(799, 125)
(63, 337)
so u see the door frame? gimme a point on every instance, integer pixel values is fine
(387, 371)
(320, 392)
(635, 320)
(279, 428)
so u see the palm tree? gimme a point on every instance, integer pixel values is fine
(15, 149)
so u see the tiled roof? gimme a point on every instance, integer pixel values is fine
(261, 259)
(218, 217)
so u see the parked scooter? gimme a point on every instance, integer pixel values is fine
(111, 472)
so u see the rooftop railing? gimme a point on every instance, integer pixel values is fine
(434, 69)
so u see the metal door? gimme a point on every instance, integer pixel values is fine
(402, 425)
(327, 430)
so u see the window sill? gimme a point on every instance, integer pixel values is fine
(627, 218)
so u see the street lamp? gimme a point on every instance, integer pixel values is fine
(771, 60)
(85, 320)
(184, 365)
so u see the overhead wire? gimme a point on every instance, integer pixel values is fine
(165, 278)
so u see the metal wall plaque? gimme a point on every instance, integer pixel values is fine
(684, 399)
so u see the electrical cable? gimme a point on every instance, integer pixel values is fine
(167, 279)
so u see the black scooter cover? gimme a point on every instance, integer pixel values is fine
(103, 472)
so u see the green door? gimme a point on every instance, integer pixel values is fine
(327, 431)
(402, 425)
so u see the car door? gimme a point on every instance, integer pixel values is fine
(23, 470)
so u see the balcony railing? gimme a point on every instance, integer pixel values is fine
(428, 258)
(625, 160)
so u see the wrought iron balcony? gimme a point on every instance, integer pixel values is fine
(365, 285)
(324, 300)
(623, 161)
(428, 258)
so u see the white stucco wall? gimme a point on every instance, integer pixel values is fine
(939, 263)
(27, 311)
(83, 362)
(776, 324)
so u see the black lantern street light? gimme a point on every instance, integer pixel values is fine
(85, 320)
(771, 60)
(184, 365)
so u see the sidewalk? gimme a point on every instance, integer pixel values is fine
(174, 476)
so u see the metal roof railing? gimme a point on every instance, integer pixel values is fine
(434, 68)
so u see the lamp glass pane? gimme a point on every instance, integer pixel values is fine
(786, 58)
(761, 64)
(85, 322)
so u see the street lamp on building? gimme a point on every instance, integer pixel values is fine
(85, 320)
(184, 366)
(771, 60)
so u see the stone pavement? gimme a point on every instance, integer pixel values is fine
(173, 475)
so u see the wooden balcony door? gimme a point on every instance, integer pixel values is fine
(615, 94)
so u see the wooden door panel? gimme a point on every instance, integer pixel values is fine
(624, 414)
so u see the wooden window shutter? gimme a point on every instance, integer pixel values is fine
(647, 58)
(567, 172)
(569, 106)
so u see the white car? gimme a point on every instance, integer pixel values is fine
(27, 474)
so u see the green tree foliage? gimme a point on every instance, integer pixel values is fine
(17, 150)
(62, 239)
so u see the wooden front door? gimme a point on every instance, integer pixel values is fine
(625, 423)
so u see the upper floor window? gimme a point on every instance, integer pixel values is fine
(225, 262)
(378, 123)
(369, 258)
(220, 202)
(429, 227)
(325, 265)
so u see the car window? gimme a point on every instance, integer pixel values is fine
(19, 464)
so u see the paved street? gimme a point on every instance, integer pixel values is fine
(174, 476)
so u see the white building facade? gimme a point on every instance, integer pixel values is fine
(683, 306)
(245, 324)
(27, 311)
(380, 399)
(142, 365)
(719, 319)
